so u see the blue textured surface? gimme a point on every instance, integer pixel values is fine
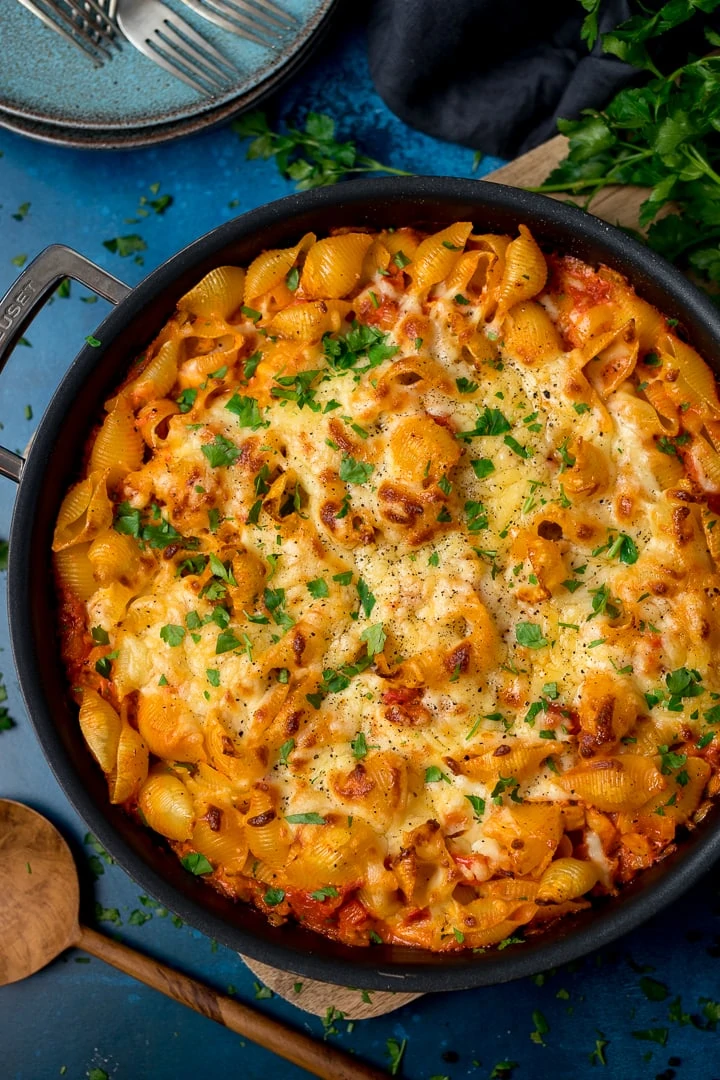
(85, 1015)
(62, 85)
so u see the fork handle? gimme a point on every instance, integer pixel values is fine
(28, 295)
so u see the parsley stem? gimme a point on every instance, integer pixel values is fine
(702, 163)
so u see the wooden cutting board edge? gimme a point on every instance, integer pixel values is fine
(618, 206)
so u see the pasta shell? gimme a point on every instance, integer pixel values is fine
(167, 727)
(530, 335)
(711, 528)
(707, 464)
(113, 556)
(75, 571)
(118, 447)
(244, 765)
(221, 836)
(268, 836)
(615, 363)
(524, 274)
(333, 266)
(219, 293)
(166, 805)
(698, 379)
(519, 762)
(537, 825)
(308, 322)
(377, 257)
(109, 603)
(667, 411)
(133, 667)
(153, 421)
(271, 268)
(609, 784)
(511, 888)
(131, 766)
(330, 855)
(85, 512)
(436, 256)
(404, 240)
(158, 376)
(566, 879)
(421, 451)
(101, 727)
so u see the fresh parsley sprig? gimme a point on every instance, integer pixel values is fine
(311, 156)
(663, 135)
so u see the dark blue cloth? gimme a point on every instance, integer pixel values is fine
(491, 74)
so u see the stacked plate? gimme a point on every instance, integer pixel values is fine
(51, 91)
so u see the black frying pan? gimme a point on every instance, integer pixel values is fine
(53, 464)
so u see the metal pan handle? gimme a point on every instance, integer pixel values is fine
(29, 293)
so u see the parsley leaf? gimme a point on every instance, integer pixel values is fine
(530, 635)
(221, 451)
(355, 472)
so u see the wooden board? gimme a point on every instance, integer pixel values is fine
(618, 206)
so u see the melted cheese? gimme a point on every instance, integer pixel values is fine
(451, 583)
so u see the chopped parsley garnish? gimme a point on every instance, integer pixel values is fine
(251, 365)
(401, 260)
(318, 588)
(328, 892)
(530, 635)
(172, 634)
(504, 784)
(247, 411)
(213, 676)
(251, 313)
(292, 279)
(489, 422)
(226, 642)
(305, 819)
(433, 775)
(367, 600)
(477, 518)
(359, 746)
(482, 467)
(100, 636)
(345, 578)
(374, 637)
(274, 602)
(274, 896)
(522, 451)
(567, 459)
(221, 451)
(465, 386)
(187, 399)
(196, 863)
(477, 804)
(604, 603)
(355, 472)
(285, 750)
(343, 351)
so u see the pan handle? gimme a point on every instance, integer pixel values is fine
(29, 293)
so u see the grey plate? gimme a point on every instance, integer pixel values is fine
(130, 101)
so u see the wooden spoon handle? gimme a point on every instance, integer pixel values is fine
(317, 1057)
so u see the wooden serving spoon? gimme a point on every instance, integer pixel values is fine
(39, 906)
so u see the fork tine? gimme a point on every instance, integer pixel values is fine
(45, 18)
(180, 26)
(234, 27)
(195, 61)
(255, 9)
(153, 52)
(86, 42)
(70, 11)
(102, 23)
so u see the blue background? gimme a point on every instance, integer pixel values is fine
(83, 1015)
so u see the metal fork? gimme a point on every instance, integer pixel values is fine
(170, 42)
(81, 22)
(261, 21)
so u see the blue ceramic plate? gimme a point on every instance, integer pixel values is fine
(61, 91)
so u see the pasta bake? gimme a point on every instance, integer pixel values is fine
(389, 589)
